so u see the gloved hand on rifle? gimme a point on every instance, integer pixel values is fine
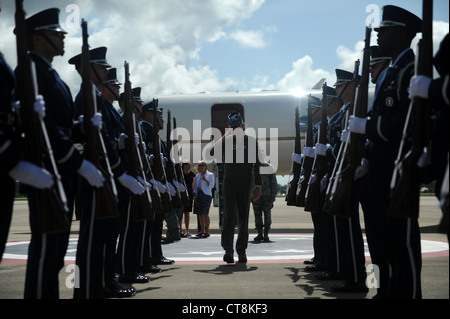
(121, 141)
(345, 137)
(39, 106)
(157, 184)
(91, 174)
(357, 125)
(362, 169)
(309, 152)
(30, 174)
(146, 184)
(321, 149)
(171, 189)
(131, 183)
(179, 186)
(418, 86)
(96, 120)
(297, 158)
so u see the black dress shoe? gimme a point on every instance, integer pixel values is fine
(315, 267)
(149, 269)
(228, 258)
(329, 275)
(134, 279)
(113, 289)
(162, 261)
(310, 261)
(350, 287)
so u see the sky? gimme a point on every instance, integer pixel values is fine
(191, 46)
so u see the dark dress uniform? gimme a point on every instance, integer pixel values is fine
(438, 93)
(97, 234)
(237, 193)
(350, 240)
(151, 231)
(394, 243)
(46, 251)
(9, 150)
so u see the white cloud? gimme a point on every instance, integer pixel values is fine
(159, 39)
(302, 76)
(249, 39)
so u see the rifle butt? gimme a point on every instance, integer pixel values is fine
(184, 199)
(405, 195)
(141, 207)
(53, 214)
(312, 201)
(106, 204)
(300, 200)
(156, 201)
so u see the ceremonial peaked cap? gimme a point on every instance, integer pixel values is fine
(343, 77)
(396, 16)
(44, 20)
(376, 55)
(112, 77)
(314, 102)
(149, 107)
(97, 56)
(136, 94)
(329, 92)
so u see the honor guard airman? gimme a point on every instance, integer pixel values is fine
(90, 252)
(152, 254)
(46, 251)
(13, 167)
(394, 243)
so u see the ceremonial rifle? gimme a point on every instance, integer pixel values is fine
(344, 155)
(51, 204)
(179, 172)
(307, 161)
(147, 169)
(296, 167)
(343, 193)
(170, 168)
(106, 200)
(140, 204)
(159, 172)
(312, 196)
(405, 183)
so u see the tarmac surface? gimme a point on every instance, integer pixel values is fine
(275, 270)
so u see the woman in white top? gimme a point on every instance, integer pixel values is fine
(203, 185)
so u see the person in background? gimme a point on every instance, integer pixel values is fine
(202, 190)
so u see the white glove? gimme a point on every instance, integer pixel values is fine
(362, 169)
(158, 185)
(30, 174)
(171, 189)
(324, 183)
(357, 125)
(297, 158)
(131, 183)
(121, 142)
(321, 149)
(91, 174)
(345, 137)
(179, 186)
(39, 106)
(418, 86)
(97, 120)
(146, 184)
(309, 151)
(136, 138)
(144, 147)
